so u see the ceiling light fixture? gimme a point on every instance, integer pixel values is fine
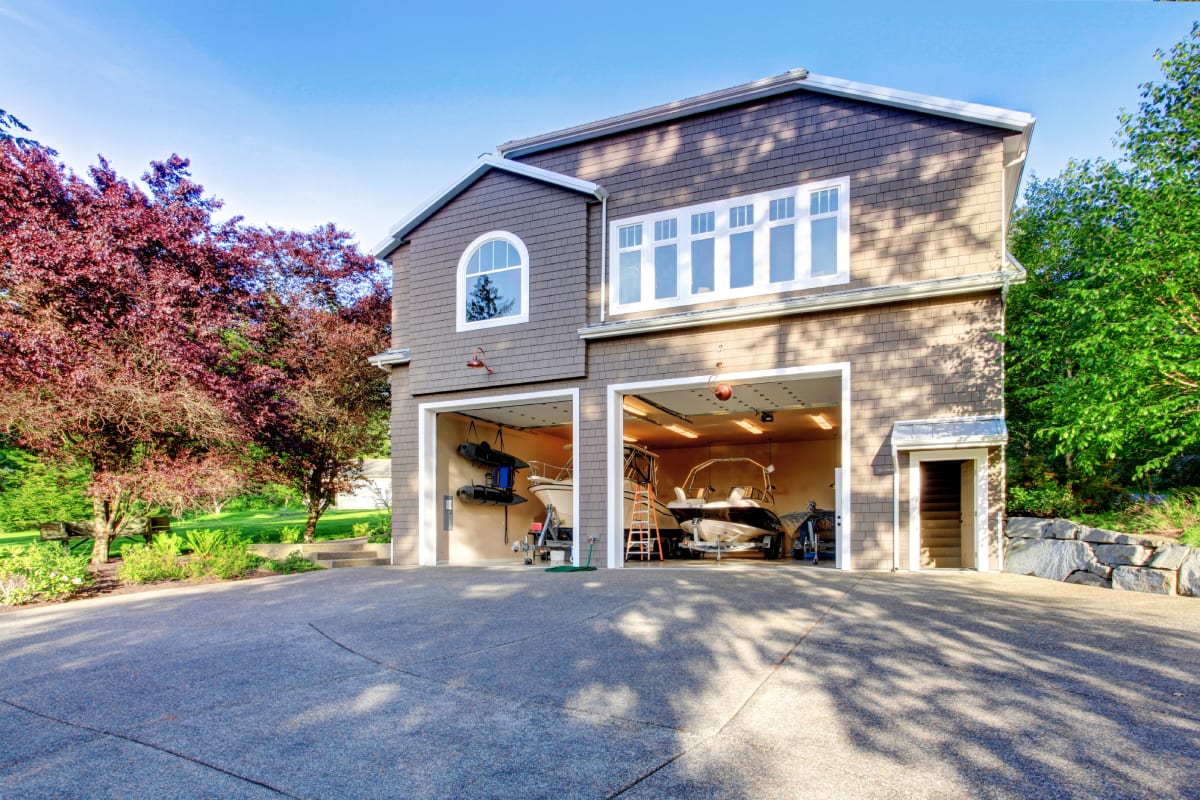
(629, 439)
(682, 431)
(479, 361)
(635, 406)
(747, 425)
(822, 421)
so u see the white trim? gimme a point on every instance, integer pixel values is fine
(428, 510)
(615, 490)
(979, 457)
(482, 165)
(808, 304)
(460, 297)
(722, 236)
(792, 81)
(390, 358)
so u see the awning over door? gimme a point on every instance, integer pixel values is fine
(949, 433)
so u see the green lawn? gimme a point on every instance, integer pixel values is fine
(257, 526)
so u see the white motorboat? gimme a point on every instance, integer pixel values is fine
(554, 486)
(739, 518)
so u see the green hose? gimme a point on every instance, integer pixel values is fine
(585, 568)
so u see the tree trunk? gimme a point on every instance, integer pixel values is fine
(310, 527)
(101, 531)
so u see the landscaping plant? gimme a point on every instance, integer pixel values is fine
(40, 571)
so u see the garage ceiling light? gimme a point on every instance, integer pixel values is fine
(629, 439)
(748, 425)
(636, 407)
(822, 421)
(682, 431)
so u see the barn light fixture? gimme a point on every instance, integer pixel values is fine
(479, 361)
(722, 391)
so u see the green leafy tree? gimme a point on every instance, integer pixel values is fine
(34, 490)
(1104, 340)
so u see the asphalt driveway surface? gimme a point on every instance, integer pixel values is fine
(731, 682)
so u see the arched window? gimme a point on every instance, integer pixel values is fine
(493, 282)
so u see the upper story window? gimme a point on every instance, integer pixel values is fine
(493, 282)
(766, 243)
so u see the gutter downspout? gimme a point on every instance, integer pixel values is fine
(895, 505)
(603, 253)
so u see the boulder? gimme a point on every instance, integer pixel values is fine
(1169, 556)
(1143, 579)
(1100, 535)
(1103, 570)
(1140, 540)
(1047, 558)
(1189, 574)
(1088, 579)
(1127, 555)
(1063, 529)
(1026, 527)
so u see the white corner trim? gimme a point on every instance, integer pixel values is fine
(808, 304)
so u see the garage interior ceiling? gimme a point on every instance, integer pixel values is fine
(794, 404)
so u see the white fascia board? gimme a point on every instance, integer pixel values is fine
(395, 357)
(947, 433)
(484, 163)
(809, 304)
(940, 106)
(795, 80)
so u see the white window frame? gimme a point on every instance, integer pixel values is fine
(761, 285)
(461, 295)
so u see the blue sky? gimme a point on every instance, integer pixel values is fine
(301, 113)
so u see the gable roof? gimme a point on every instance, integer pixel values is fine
(793, 81)
(482, 166)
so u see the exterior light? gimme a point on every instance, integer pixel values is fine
(479, 361)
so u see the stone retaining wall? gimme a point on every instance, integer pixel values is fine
(1062, 550)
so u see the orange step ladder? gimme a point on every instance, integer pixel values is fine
(644, 537)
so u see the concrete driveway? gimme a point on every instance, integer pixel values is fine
(733, 682)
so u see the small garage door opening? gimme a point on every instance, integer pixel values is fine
(484, 462)
(710, 453)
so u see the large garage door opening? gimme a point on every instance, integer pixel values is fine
(485, 476)
(751, 476)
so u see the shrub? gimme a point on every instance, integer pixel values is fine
(1044, 498)
(290, 534)
(157, 561)
(228, 558)
(206, 542)
(40, 571)
(295, 562)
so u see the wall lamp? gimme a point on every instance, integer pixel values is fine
(479, 361)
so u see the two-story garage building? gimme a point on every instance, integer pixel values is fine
(832, 252)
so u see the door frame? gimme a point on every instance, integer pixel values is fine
(979, 458)
(428, 506)
(616, 422)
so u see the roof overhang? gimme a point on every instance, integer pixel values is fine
(796, 80)
(482, 166)
(949, 433)
(396, 357)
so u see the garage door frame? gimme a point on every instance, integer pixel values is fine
(615, 444)
(428, 511)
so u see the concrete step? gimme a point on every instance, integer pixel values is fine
(340, 553)
(339, 563)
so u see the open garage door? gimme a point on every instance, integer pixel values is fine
(481, 461)
(752, 476)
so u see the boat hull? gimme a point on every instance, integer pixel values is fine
(727, 524)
